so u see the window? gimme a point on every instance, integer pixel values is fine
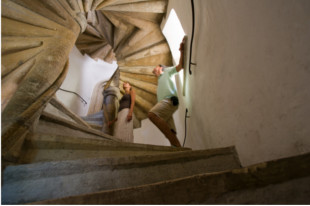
(174, 33)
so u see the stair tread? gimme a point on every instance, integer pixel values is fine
(91, 175)
(213, 188)
(161, 158)
(78, 133)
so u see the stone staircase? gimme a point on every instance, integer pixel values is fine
(129, 32)
(67, 163)
(37, 37)
(62, 159)
(284, 181)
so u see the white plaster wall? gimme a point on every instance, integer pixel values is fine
(250, 87)
(84, 73)
(149, 134)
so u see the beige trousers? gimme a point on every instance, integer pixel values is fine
(165, 109)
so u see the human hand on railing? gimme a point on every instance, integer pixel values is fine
(181, 49)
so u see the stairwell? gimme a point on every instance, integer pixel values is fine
(51, 160)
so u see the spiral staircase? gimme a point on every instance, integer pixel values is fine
(129, 32)
(50, 160)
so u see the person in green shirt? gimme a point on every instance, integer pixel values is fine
(167, 99)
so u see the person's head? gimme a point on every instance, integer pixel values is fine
(126, 86)
(158, 70)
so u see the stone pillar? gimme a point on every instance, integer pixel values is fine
(110, 107)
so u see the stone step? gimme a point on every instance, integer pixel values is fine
(149, 56)
(44, 147)
(116, 2)
(280, 182)
(90, 46)
(121, 31)
(53, 12)
(53, 180)
(147, 70)
(147, 6)
(153, 17)
(55, 142)
(105, 27)
(162, 47)
(141, 77)
(110, 57)
(93, 31)
(100, 53)
(87, 5)
(139, 43)
(53, 126)
(96, 3)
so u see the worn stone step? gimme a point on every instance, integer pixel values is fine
(48, 155)
(51, 124)
(105, 27)
(284, 181)
(116, 2)
(44, 147)
(53, 180)
(50, 135)
(53, 141)
(148, 6)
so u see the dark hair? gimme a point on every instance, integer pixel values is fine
(162, 66)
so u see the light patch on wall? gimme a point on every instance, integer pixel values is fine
(84, 73)
(174, 33)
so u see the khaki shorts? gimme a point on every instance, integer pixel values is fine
(165, 109)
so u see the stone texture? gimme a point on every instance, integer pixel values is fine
(48, 50)
(93, 175)
(282, 181)
(132, 30)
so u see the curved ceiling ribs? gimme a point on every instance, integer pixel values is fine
(37, 37)
(129, 32)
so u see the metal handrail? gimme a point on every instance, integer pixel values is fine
(192, 37)
(83, 100)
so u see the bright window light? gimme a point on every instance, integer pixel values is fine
(174, 33)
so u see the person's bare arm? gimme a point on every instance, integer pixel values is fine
(181, 61)
(133, 99)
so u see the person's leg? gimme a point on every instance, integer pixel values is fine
(165, 129)
(171, 125)
(160, 115)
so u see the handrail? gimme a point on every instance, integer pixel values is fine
(83, 100)
(192, 37)
(190, 61)
(58, 105)
(186, 116)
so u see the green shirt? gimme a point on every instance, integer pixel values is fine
(166, 87)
